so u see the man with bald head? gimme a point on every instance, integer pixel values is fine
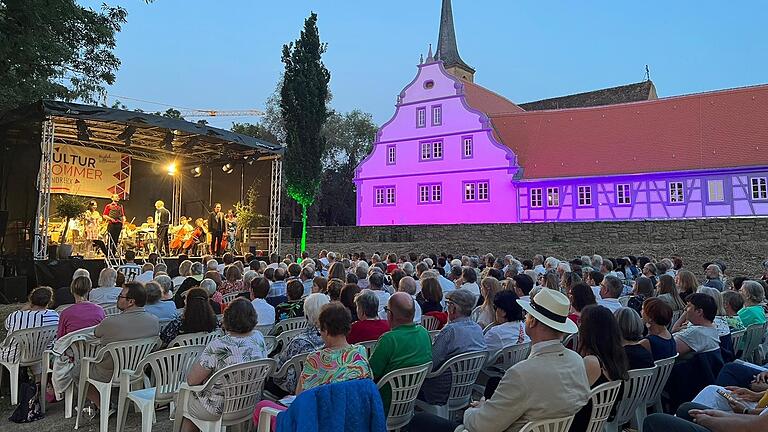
(405, 345)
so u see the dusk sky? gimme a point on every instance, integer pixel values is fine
(226, 54)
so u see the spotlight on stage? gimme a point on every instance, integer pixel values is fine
(83, 133)
(197, 171)
(127, 134)
(171, 168)
(228, 168)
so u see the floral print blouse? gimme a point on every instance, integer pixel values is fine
(329, 366)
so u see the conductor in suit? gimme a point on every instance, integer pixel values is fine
(163, 220)
(216, 226)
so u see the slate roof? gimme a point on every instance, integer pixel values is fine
(719, 129)
(447, 50)
(615, 95)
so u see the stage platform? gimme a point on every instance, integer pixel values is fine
(57, 273)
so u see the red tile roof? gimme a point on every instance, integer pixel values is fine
(480, 98)
(719, 129)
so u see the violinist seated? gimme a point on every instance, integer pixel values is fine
(181, 234)
(199, 235)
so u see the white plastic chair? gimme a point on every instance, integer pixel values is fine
(507, 357)
(464, 369)
(242, 386)
(736, 338)
(369, 346)
(30, 344)
(430, 323)
(554, 425)
(285, 337)
(632, 395)
(169, 370)
(227, 298)
(675, 316)
(572, 341)
(405, 384)
(602, 397)
(265, 419)
(189, 339)
(110, 309)
(291, 324)
(125, 355)
(753, 337)
(296, 362)
(653, 396)
(433, 335)
(264, 329)
(81, 347)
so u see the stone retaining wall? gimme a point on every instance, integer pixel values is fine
(741, 243)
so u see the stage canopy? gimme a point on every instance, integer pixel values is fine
(28, 134)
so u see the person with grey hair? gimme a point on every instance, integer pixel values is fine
(459, 336)
(306, 276)
(306, 341)
(161, 268)
(610, 291)
(166, 283)
(209, 285)
(107, 292)
(212, 265)
(165, 311)
(368, 327)
(361, 271)
(563, 268)
(631, 327)
(714, 277)
(753, 294)
(408, 268)
(408, 285)
(193, 280)
(586, 261)
(538, 264)
(185, 270)
(551, 263)
(147, 273)
(597, 261)
(249, 276)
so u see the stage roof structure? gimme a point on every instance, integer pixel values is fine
(146, 137)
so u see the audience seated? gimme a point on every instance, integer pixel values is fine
(294, 305)
(509, 323)
(33, 314)
(551, 383)
(214, 297)
(107, 291)
(233, 282)
(196, 317)
(732, 303)
(631, 328)
(657, 315)
(133, 322)
(147, 273)
(754, 295)
(405, 345)
(185, 270)
(468, 281)
(195, 276)
(459, 336)
(408, 285)
(265, 312)
(668, 293)
(333, 289)
(485, 314)
(163, 310)
(307, 340)
(239, 344)
(278, 287)
(63, 296)
(369, 326)
(611, 289)
(701, 335)
(581, 296)
(431, 296)
(347, 298)
(83, 313)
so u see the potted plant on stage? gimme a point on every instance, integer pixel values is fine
(247, 217)
(68, 207)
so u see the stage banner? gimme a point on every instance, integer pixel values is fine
(90, 172)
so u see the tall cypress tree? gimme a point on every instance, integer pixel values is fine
(303, 98)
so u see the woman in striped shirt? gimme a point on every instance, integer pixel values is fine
(33, 314)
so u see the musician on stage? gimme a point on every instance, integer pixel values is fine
(115, 216)
(163, 220)
(216, 226)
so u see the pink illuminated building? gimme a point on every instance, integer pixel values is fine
(455, 152)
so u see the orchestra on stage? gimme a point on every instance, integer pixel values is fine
(95, 231)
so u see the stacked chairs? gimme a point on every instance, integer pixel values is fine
(242, 385)
(30, 345)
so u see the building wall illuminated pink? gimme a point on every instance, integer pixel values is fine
(455, 153)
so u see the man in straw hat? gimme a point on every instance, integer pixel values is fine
(551, 383)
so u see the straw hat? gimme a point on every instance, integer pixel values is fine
(551, 308)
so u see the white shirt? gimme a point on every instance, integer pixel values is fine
(473, 287)
(596, 290)
(178, 280)
(611, 303)
(503, 335)
(265, 313)
(220, 268)
(383, 297)
(417, 309)
(446, 285)
(145, 277)
(130, 271)
(104, 295)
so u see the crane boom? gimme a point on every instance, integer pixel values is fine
(222, 113)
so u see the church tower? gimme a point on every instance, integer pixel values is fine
(447, 51)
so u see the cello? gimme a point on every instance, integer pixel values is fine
(181, 235)
(196, 236)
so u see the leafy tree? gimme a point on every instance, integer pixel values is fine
(349, 138)
(56, 49)
(257, 130)
(303, 98)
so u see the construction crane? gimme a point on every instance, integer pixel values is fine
(222, 113)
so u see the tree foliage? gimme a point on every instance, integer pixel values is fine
(257, 130)
(56, 49)
(349, 138)
(303, 97)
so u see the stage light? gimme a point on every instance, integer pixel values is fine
(127, 134)
(197, 171)
(83, 134)
(228, 168)
(171, 168)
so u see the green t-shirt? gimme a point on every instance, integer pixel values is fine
(752, 315)
(404, 346)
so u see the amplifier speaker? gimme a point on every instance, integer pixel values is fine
(13, 289)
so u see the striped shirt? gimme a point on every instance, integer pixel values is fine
(26, 319)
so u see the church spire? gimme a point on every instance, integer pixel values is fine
(447, 50)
